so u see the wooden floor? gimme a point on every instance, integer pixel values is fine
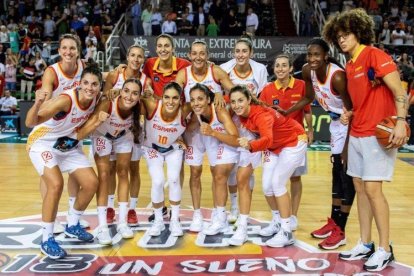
(20, 196)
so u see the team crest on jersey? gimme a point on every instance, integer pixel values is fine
(47, 155)
(191, 254)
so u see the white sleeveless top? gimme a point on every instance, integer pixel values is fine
(208, 81)
(324, 92)
(64, 83)
(161, 133)
(115, 126)
(120, 80)
(216, 125)
(55, 131)
(248, 81)
(243, 132)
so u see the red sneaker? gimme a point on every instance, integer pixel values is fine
(335, 240)
(325, 230)
(110, 215)
(132, 218)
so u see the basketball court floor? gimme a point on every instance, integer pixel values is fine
(195, 254)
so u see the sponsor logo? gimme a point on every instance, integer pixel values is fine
(191, 254)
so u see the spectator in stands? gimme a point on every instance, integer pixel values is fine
(199, 22)
(28, 71)
(252, 22)
(190, 16)
(40, 6)
(229, 25)
(63, 25)
(83, 18)
(49, 26)
(47, 50)
(206, 6)
(409, 35)
(4, 34)
(2, 54)
(398, 35)
(97, 11)
(241, 6)
(306, 21)
(91, 51)
(385, 34)
(156, 19)
(76, 24)
(14, 57)
(406, 65)
(394, 10)
(2, 81)
(212, 28)
(107, 27)
(169, 26)
(2, 70)
(8, 104)
(31, 18)
(377, 18)
(10, 74)
(91, 38)
(136, 18)
(56, 14)
(25, 49)
(185, 27)
(11, 25)
(146, 20)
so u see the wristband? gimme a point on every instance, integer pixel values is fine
(400, 118)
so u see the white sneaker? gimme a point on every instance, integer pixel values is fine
(83, 223)
(125, 231)
(234, 214)
(197, 223)
(270, 230)
(175, 228)
(379, 260)
(58, 228)
(157, 227)
(218, 226)
(360, 251)
(281, 239)
(103, 236)
(239, 237)
(293, 223)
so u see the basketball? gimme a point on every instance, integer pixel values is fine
(384, 129)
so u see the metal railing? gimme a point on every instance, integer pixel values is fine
(100, 59)
(296, 14)
(112, 43)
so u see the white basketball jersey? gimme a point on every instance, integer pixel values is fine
(208, 81)
(160, 132)
(120, 80)
(243, 132)
(65, 83)
(115, 126)
(216, 125)
(62, 124)
(326, 97)
(248, 81)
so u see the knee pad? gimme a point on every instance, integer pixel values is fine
(157, 190)
(337, 170)
(174, 190)
(348, 189)
(251, 182)
(232, 181)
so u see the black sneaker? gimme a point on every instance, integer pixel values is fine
(164, 214)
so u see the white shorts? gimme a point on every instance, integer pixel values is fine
(302, 170)
(137, 152)
(369, 161)
(278, 168)
(69, 161)
(103, 146)
(155, 158)
(338, 136)
(217, 153)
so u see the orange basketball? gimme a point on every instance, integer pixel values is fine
(384, 129)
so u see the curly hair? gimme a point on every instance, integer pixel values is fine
(355, 21)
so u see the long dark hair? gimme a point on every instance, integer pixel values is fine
(136, 112)
(203, 88)
(246, 92)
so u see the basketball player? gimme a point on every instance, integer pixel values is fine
(284, 143)
(114, 136)
(282, 94)
(59, 77)
(113, 84)
(376, 92)
(244, 70)
(326, 79)
(53, 148)
(165, 123)
(217, 136)
(216, 79)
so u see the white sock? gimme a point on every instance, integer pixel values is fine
(123, 209)
(243, 219)
(175, 211)
(72, 200)
(73, 217)
(102, 215)
(111, 201)
(221, 213)
(233, 199)
(285, 223)
(197, 212)
(275, 216)
(47, 230)
(158, 214)
(133, 201)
